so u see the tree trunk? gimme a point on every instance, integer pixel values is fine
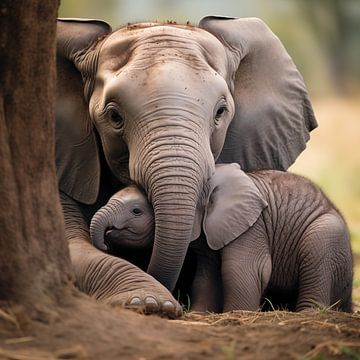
(35, 269)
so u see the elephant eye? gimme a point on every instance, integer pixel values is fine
(220, 112)
(115, 117)
(137, 211)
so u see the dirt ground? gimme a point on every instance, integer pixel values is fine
(85, 330)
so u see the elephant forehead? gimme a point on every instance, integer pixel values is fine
(155, 43)
(130, 193)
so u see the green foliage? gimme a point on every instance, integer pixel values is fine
(324, 309)
(270, 303)
(184, 300)
(356, 283)
(350, 353)
(229, 350)
(355, 241)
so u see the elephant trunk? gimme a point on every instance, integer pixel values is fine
(102, 220)
(174, 218)
(174, 184)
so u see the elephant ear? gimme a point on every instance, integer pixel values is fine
(198, 219)
(273, 114)
(234, 205)
(77, 157)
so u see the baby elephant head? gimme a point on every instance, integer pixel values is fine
(125, 222)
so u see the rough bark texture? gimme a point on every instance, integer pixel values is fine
(34, 260)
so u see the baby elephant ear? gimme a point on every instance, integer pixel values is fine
(273, 115)
(77, 157)
(233, 207)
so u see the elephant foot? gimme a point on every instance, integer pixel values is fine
(148, 302)
(120, 283)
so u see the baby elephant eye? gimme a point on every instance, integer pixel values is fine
(137, 211)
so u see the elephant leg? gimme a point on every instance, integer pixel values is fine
(110, 279)
(325, 272)
(246, 270)
(206, 290)
(115, 281)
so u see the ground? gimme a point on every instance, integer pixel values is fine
(86, 330)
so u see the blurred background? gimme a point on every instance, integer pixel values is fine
(323, 38)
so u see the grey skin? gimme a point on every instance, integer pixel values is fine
(268, 234)
(126, 221)
(156, 105)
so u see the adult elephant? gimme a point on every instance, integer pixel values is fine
(158, 104)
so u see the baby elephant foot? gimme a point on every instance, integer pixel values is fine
(147, 302)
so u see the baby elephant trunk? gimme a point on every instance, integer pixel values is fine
(100, 223)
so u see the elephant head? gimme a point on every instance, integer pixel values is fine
(155, 101)
(126, 221)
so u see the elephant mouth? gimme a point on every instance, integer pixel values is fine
(113, 233)
(114, 236)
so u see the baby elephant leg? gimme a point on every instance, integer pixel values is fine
(246, 270)
(206, 290)
(325, 271)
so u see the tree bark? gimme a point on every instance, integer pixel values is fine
(35, 269)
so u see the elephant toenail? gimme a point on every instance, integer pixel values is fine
(168, 307)
(151, 303)
(135, 301)
(150, 300)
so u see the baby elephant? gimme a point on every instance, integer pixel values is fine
(276, 234)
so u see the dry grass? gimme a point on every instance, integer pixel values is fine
(239, 317)
(346, 325)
